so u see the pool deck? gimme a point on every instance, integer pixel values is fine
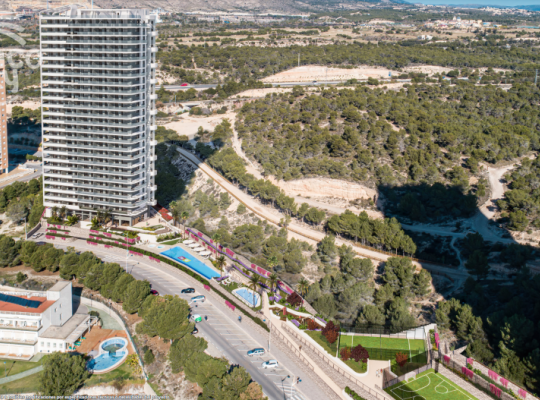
(192, 253)
(98, 335)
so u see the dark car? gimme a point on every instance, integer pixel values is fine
(195, 330)
(154, 292)
(188, 290)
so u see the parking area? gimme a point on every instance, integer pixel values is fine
(229, 330)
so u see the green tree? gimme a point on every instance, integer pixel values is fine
(120, 287)
(149, 357)
(63, 374)
(184, 349)
(478, 265)
(134, 295)
(167, 318)
(9, 256)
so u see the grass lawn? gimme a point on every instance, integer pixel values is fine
(383, 343)
(15, 366)
(30, 384)
(171, 242)
(389, 347)
(428, 386)
(359, 367)
(320, 339)
(122, 372)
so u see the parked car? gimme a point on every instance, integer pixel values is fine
(184, 84)
(256, 352)
(154, 292)
(270, 364)
(188, 290)
(196, 318)
(198, 299)
(195, 331)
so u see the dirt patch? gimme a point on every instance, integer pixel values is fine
(326, 187)
(261, 92)
(31, 104)
(188, 124)
(318, 73)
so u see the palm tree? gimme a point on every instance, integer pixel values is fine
(272, 261)
(253, 283)
(220, 264)
(99, 217)
(55, 211)
(107, 216)
(184, 217)
(303, 285)
(95, 223)
(63, 212)
(272, 281)
(216, 237)
(175, 215)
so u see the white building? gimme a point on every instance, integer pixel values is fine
(99, 105)
(40, 322)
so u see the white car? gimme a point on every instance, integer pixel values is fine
(270, 364)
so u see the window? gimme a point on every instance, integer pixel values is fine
(48, 344)
(42, 343)
(54, 345)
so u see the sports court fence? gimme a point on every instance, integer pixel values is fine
(415, 356)
(496, 391)
(411, 332)
(389, 380)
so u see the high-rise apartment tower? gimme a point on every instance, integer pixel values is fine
(99, 105)
(3, 121)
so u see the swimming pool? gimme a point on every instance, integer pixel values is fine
(182, 256)
(248, 296)
(112, 352)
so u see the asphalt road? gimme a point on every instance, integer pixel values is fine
(26, 178)
(229, 336)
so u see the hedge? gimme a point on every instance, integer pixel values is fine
(182, 268)
(56, 234)
(353, 394)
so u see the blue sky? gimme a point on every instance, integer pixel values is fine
(480, 2)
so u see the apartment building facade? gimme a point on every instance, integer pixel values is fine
(4, 161)
(40, 322)
(99, 106)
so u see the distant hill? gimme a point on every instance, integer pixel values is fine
(277, 6)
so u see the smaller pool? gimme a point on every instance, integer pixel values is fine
(112, 352)
(160, 247)
(152, 245)
(105, 362)
(248, 296)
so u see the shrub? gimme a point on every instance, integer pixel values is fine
(312, 325)
(359, 353)
(294, 299)
(353, 394)
(331, 336)
(345, 353)
(21, 277)
(149, 357)
(401, 358)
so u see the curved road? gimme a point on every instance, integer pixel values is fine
(231, 338)
(296, 230)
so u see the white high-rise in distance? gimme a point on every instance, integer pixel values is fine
(99, 104)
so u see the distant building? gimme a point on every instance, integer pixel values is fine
(40, 322)
(3, 121)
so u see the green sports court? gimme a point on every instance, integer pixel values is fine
(428, 385)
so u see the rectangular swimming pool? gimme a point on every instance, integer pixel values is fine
(180, 255)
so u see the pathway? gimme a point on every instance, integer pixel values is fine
(222, 328)
(21, 375)
(296, 230)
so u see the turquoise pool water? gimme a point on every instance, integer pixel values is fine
(252, 298)
(105, 361)
(180, 255)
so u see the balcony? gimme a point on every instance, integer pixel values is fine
(28, 342)
(94, 123)
(80, 90)
(52, 174)
(75, 185)
(56, 138)
(91, 58)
